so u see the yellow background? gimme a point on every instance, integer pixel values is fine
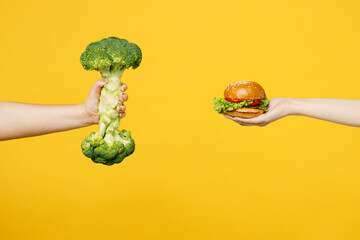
(194, 174)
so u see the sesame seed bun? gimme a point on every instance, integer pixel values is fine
(244, 90)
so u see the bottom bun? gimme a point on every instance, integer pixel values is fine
(245, 113)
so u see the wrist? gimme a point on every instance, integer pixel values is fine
(87, 117)
(293, 106)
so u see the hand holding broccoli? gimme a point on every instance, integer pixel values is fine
(91, 104)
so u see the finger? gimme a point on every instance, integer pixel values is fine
(246, 125)
(124, 98)
(228, 117)
(242, 124)
(96, 88)
(121, 109)
(250, 123)
(237, 119)
(101, 82)
(124, 87)
(247, 122)
(122, 115)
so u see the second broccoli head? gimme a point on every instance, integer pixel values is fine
(113, 148)
(111, 56)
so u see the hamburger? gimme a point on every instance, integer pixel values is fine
(243, 99)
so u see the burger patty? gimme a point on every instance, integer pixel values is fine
(245, 112)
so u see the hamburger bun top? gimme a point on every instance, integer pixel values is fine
(244, 90)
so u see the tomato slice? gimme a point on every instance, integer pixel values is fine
(230, 100)
(255, 103)
(237, 101)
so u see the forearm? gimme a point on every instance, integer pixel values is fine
(342, 111)
(25, 120)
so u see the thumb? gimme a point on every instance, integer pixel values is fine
(96, 88)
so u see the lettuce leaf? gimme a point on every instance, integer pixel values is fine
(264, 104)
(223, 106)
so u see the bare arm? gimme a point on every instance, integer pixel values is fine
(19, 120)
(24, 120)
(342, 111)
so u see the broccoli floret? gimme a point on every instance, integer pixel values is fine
(111, 52)
(111, 56)
(112, 149)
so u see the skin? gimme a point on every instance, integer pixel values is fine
(342, 111)
(19, 120)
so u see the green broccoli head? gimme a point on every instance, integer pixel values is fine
(113, 148)
(111, 52)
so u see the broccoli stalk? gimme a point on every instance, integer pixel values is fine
(111, 56)
(109, 100)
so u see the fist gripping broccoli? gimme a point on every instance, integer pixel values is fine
(111, 56)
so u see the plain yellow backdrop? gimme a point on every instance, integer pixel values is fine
(194, 174)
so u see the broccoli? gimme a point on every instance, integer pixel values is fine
(111, 56)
